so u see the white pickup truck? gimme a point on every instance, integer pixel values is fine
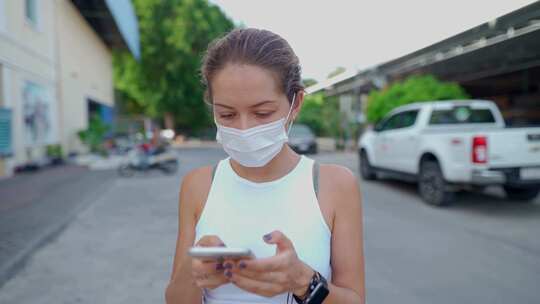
(449, 145)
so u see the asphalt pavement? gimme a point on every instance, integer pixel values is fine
(119, 249)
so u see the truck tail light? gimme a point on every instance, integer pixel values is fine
(479, 150)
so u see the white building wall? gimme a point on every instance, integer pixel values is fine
(26, 55)
(67, 61)
(85, 71)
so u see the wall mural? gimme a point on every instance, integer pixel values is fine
(39, 115)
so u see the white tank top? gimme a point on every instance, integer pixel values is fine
(240, 212)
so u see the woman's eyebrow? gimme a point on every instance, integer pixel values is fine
(252, 106)
(262, 102)
(222, 105)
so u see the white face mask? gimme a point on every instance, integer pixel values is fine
(256, 146)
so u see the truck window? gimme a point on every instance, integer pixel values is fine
(408, 118)
(461, 115)
(400, 120)
(390, 123)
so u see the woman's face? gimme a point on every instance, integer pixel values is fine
(245, 96)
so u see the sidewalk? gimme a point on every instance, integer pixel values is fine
(35, 207)
(118, 250)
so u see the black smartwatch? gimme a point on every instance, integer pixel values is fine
(317, 290)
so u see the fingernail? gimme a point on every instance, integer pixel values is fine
(242, 265)
(219, 266)
(228, 273)
(267, 237)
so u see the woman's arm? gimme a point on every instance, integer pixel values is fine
(181, 288)
(347, 258)
(194, 190)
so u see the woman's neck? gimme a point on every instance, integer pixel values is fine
(284, 162)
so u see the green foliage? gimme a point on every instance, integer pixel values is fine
(174, 35)
(93, 136)
(336, 72)
(331, 117)
(309, 82)
(413, 89)
(321, 114)
(54, 151)
(311, 113)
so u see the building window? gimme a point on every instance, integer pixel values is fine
(6, 140)
(31, 12)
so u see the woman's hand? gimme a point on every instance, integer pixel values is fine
(283, 272)
(209, 273)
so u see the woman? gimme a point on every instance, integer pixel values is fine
(303, 222)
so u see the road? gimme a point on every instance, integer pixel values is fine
(483, 249)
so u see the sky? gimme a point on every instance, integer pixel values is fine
(361, 34)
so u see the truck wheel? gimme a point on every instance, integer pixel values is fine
(432, 186)
(521, 194)
(366, 170)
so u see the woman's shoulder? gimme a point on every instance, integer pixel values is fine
(337, 181)
(337, 175)
(196, 185)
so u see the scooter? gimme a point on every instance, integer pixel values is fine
(138, 160)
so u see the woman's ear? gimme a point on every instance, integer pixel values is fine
(298, 103)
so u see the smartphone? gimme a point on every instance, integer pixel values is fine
(220, 253)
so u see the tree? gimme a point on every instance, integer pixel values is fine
(321, 114)
(414, 89)
(311, 112)
(336, 72)
(165, 82)
(309, 82)
(331, 117)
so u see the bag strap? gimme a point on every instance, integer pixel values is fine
(316, 178)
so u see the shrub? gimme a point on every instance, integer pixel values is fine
(413, 89)
(94, 135)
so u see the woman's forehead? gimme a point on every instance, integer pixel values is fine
(241, 85)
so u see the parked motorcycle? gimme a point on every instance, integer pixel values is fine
(141, 160)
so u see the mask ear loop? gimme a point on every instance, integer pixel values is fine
(290, 110)
(214, 116)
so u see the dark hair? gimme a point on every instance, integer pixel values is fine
(257, 47)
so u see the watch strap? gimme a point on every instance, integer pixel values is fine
(312, 295)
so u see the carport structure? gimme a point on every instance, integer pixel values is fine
(498, 60)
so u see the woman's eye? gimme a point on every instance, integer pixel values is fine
(229, 116)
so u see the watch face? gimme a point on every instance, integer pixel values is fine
(318, 295)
